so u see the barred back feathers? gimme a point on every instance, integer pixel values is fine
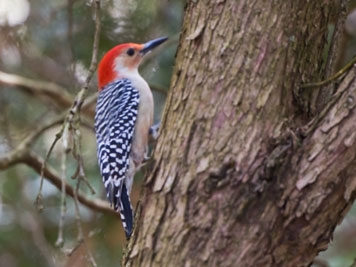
(116, 113)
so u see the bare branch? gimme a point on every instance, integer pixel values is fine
(89, 102)
(65, 137)
(38, 201)
(94, 59)
(70, 4)
(35, 162)
(81, 95)
(22, 154)
(12, 158)
(20, 151)
(55, 92)
(81, 238)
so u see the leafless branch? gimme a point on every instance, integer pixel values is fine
(22, 153)
(18, 153)
(65, 137)
(56, 93)
(39, 202)
(77, 154)
(81, 238)
(35, 162)
(74, 116)
(70, 31)
(77, 104)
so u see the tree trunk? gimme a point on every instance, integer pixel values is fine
(247, 171)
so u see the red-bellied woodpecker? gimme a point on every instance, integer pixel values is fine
(124, 115)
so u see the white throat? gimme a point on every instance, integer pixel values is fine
(125, 72)
(132, 74)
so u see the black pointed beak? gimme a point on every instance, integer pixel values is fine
(152, 44)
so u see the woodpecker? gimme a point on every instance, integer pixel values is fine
(124, 115)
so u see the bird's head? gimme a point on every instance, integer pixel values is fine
(123, 60)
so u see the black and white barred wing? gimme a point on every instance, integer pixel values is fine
(116, 113)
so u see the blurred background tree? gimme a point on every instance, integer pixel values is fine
(48, 45)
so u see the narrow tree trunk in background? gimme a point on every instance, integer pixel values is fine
(240, 178)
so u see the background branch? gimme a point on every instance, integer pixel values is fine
(54, 92)
(31, 159)
(42, 80)
(35, 162)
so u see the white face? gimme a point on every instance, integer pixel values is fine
(126, 66)
(127, 62)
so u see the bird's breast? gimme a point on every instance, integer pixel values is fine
(143, 122)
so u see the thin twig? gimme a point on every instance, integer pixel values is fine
(77, 213)
(312, 125)
(70, 33)
(80, 96)
(77, 153)
(333, 77)
(5, 121)
(325, 93)
(80, 175)
(22, 149)
(74, 121)
(35, 162)
(90, 101)
(65, 137)
(56, 93)
(22, 153)
(81, 238)
(39, 201)
(79, 99)
(73, 113)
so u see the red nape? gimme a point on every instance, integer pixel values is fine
(106, 73)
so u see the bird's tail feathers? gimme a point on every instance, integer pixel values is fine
(126, 212)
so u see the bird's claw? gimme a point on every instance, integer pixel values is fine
(154, 130)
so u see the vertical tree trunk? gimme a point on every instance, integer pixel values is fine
(242, 174)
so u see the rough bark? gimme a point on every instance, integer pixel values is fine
(242, 175)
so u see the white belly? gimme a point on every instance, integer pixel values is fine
(143, 122)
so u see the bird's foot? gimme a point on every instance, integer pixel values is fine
(153, 132)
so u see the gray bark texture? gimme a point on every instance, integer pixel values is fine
(249, 170)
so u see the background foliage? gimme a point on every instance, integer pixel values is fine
(52, 41)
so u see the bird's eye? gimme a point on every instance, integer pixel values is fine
(130, 52)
